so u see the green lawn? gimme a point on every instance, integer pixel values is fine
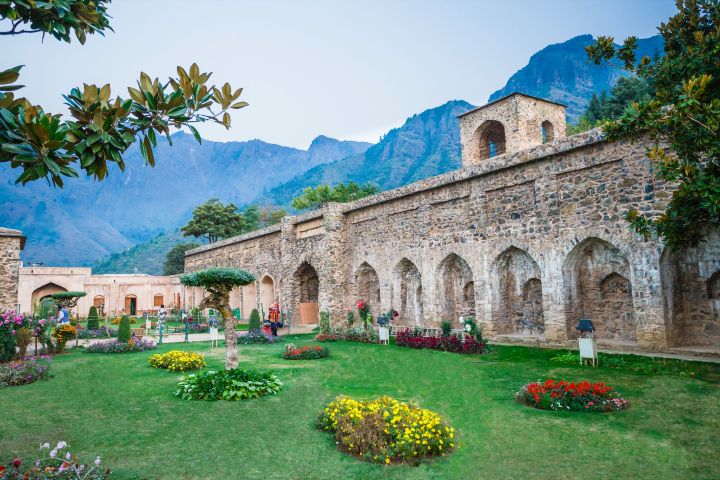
(118, 407)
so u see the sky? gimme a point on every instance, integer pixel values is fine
(346, 69)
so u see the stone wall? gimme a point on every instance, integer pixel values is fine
(11, 243)
(528, 242)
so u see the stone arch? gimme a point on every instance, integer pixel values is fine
(455, 289)
(517, 294)
(367, 287)
(490, 139)
(267, 292)
(306, 291)
(40, 293)
(596, 276)
(547, 131)
(407, 293)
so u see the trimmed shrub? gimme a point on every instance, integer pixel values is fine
(305, 353)
(356, 334)
(255, 336)
(124, 334)
(178, 361)
(576, 397)
(116, 346)
(93, 321)
(386, 430)
(234, 384)
(453, 344)
(254, 321)
(445, 328)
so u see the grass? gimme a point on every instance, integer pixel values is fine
(120, 408)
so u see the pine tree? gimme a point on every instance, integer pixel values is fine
(254, 322)
(124, 334)
(93, 322)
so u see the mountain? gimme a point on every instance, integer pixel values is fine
(87, 220)
(561, 72)
(427, 144)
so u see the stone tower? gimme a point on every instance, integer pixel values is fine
(508, 125)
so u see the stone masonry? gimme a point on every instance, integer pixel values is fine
(528, 237)
(11, 243)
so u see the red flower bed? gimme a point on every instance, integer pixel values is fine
(305, 353)
(578, 397)
(326, 337)
(446, 344)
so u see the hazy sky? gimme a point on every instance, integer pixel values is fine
(346, 69)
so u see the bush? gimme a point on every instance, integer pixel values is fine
(64, 333)
(304, 353)
(326, 337)
(453, 344)
(254, 321)
(178, 361)
(93, 321)
(386, 430)
(577, 397)
(255, 336)
(124, 334)
(445, 328)
(324, 322)
(23, 372)
(59, 463)
(116, 346)
(98, 333)
(357, 334)
(234, 384)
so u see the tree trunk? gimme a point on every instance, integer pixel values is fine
(231, 351)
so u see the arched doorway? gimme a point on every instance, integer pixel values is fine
(596, 276)
(517, 294)
(456, 290)
(131, 304)
(39, 294)
(267, 292)
(306, 291)
(367, 287)
(407, 293)
(99, 304)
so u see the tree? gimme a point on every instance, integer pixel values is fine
(93, 321)
(124, 334)
(67, 299)
(271, 216)
(682, 119)
(175, 258)
(43, 145)
(342, 193)
(251, 218)
(218, 282)
(214, 221)
(609, 107)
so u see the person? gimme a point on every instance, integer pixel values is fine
(63, 316)
(275, 322)
(162, 313)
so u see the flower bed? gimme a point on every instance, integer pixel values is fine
(116, 320)
(178, 361)
(232, 384)
(305, 353)
(116, 346)
(577, 397)
(386, 430)
(357, 334)
(255, 336)
(59, 463)
(98, 333)
(24, 371)
(447, 344)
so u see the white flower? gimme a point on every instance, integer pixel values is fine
(53, 453)
(61, 445)
(97, 461)
(44, 445)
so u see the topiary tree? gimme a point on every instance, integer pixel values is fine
(67, 299)
(93, 321)
(254, 322)
(124, 334)
(218, 282)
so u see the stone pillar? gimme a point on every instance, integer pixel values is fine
(555, 308)
(334, 270)
(11, 243)
(648, 304)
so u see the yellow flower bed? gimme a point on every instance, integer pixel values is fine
(178, 361)
(386, 430)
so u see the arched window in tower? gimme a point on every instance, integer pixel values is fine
(490, 138)
(548, 134)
